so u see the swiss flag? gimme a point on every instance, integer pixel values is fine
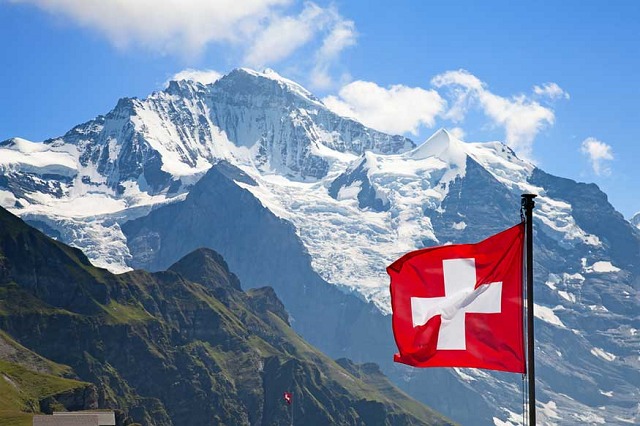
(287, 397)
(461, 305)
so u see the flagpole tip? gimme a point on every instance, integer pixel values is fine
(527, 202)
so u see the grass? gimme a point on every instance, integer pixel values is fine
(118, 313)
(32, 360)
(21, 390)
(15, 418)
(15, 301)
(29, 386)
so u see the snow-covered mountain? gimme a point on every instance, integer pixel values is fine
(136, 188)
(635, 220)
(146, 152)
(165, 142)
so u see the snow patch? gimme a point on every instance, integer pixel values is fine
(513, 419)
(601, 267)
(547, 315)
(7, 199)
(549, 410)
(558, 221)
(459, 226)
(573, 277)
(464, 376)
(36, 157)
(601, 353)
(567, 296)
(350, 192)
(552, 281)
(625, 420)
(589, 418)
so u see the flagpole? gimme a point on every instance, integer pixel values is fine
(528, 204)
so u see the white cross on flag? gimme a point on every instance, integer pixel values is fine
(461, 305)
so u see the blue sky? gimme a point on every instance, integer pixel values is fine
(396, 67)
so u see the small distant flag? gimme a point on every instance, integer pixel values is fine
(287, 397)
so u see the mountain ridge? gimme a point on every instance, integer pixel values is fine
(315, 193)
(211, 353)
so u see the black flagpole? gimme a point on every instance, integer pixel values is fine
(528, 204)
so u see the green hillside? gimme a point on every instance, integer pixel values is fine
(31, 384)
(181, 347)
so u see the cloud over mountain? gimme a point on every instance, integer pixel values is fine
(201, 76)
(395, 109)
(599, 153)
(403, 109)
(168, 26)
(259, 32)
(521, 117)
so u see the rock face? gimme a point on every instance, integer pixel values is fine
(77, 399)
(180, 347)
(357, 180)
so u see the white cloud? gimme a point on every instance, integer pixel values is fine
(284, 34)
(521, 117)
(342, 35)
(551, 90)
(397, 109)
(599, 153)
(261, 32)
(201, 76)
(170, 26)
(458, 133)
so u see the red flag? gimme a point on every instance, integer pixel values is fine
(461, 305)
(287, 397)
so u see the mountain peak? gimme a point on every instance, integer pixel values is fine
(265, 299)
(441, 145)
(183, 87)
(206, 266)
(271, 76)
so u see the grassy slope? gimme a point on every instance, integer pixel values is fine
(224, 359)
(25, 379)
(22, 389)
(12, 351)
